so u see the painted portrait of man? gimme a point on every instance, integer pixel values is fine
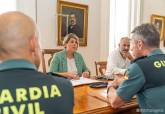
(73, 19)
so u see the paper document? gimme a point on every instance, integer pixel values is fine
(83, 81)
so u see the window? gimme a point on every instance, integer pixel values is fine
(124, 16)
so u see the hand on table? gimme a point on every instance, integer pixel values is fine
(85, 74)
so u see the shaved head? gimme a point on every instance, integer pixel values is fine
(18, 36)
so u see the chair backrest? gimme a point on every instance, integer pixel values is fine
(100, 67)
(47, 55)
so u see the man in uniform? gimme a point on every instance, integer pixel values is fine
(146, 74)
(24, 90)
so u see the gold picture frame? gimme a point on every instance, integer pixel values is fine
(72, 18)
(159, 22)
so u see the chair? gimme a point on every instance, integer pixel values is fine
(100, 67)
(47, 55)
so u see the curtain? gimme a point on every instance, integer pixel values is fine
(124, 16)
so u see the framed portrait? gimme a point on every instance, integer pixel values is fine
(72, 18)
(159, 22)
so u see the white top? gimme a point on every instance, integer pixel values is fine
(71, 65)
(116, 64)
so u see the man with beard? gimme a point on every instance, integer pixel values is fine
(119, 59)
(73, 27)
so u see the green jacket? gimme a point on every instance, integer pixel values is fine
(59, 62)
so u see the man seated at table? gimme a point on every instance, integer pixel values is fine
(119, 59)
(24, 90)
(146, 74)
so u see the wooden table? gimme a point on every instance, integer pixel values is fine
(88, 102)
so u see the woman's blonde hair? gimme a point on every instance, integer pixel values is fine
(69, 36)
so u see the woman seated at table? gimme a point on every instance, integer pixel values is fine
(68, 62)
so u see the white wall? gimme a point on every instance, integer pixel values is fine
(47, 22)
(28, 7)
(104, 32)
(153, 7)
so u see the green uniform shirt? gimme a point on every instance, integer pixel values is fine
(24, 90)
(150, 100)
